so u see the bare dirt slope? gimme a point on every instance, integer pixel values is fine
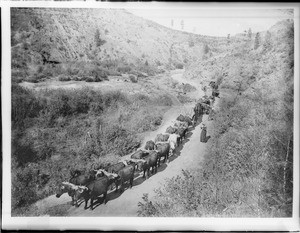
(187, 156)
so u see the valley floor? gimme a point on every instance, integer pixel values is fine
(187, 156)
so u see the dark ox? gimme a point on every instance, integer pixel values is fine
(93, 190)
(181, 132)
(181, 124)
(162, 138)
(206, 108)
(186, 119)
(213, 85)
(216, 93)
(114, 168)
(163, 151)
(150, 145)
(139, 154)
(124, 175)
(82, 179)
(180, 118)
(171, 130)
(77, 179)
(149, 162)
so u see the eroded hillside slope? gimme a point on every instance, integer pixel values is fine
(51, 36)
(247, 170)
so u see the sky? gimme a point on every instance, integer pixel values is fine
(214, 22)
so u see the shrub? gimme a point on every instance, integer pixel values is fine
(181, 196)
(64, 78)
(56, 123)
(133, 78)
(164, 100)
(23, 186)
(188, 88)
(179, 66)
(24, 104)
(71, 70)
(191, 43)
(124, 69)
(98, 40)
(98, 74)
(36, 78)
(89, 79)
(18, 75)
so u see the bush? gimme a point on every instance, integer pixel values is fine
(18, 75)
(179, 66)
(63, 78)
(36, 78)
(99, 74)
(165, 100)
(24, 104)
(124, 69)
(24, 187)
(188, 87)
(55, 125)
(133, 78)
(71, 70)
(182, 196)
(90, 79)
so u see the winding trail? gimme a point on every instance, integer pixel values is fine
(187, 156)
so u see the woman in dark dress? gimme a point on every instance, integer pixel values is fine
(203, 133)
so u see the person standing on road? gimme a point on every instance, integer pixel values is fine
(204, 89)
(203, 137)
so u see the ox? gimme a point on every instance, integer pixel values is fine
(139, 154)
(76, 179)
(93, 190)
(67, 187)
(173, 139)
(149, 162)
(163, 151)
(150, 145)
(162, 138)
(171, 130)
(113, 169)
(124, 175)
(186, 119)
(181, 132)
(216, 93)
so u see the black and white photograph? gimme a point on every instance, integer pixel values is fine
(187, 111)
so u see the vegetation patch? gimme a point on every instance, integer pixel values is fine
(248, 168)
(50, 128)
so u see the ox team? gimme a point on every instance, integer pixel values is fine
(97, 182)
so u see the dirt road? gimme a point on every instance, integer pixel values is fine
(187, 156)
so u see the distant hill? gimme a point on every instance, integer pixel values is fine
(274, 45)
(42, 35)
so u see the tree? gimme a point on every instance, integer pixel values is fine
(249, 34)
(228, 38)
(267, 42)
(172, 22)
(182, 24)
(257, 41)
(191, 42)
(98, 40)
(206, 49)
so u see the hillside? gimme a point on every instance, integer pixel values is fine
(247, 169)
(107, 36)
(59, 113)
